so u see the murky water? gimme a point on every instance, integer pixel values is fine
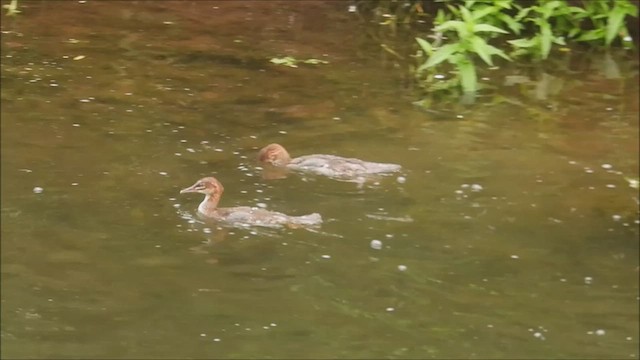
(515, 234)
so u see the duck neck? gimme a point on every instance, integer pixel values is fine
(209, 204)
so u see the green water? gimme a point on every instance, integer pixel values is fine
(515, 234)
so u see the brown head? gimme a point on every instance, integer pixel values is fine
(274, 154)
(208, 186)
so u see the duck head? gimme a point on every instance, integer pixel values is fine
(274, 154)
(208, 186)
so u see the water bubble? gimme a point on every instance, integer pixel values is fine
(402, 267)
(376, 244)
(401, 179)
(616, 217)
(538, 335)
(326, 256)
(600, 332)
(390, 309)
(261, 205)
(588, 280)
(606, 166)
(515, 256)
(476, 187)
(216, 339)
(611, 186)
(38, 190)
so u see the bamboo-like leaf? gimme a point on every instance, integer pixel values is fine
(511, 23)
(466, 15)
(479, 14)
(488, 28)
(439, 56)
(522, 43)
(614, 23)
(591, 35)
(449, 25)
(495, 51)
(426, 47)
(479, 46)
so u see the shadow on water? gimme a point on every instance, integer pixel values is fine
(512, 231)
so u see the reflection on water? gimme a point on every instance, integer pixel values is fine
(513, 232)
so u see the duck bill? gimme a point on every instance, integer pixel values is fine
(190, 189)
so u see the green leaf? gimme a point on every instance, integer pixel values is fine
(523, 43)
(467, 72)
(511, 23)
(488, 28)
(439, 56)
(591, 35)
(545, 40)
(449, 25)
(495, 51)
(479, 14)
(479, 46)
(523, 13)
(426, 47)
(614, 23)
(559, 40)
(466, 15)
(573, 32)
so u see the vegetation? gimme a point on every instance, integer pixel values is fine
(463, 32)
(12, 8)
(293, 62)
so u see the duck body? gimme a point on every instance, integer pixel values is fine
(326, 165)
(243, 215)
(339, 167)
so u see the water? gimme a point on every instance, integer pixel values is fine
(512, 232)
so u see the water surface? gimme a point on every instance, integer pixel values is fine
(511, 233)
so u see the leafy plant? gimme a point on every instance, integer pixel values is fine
(542, 16)
(468, 42)
(607, 21)
(461, 33)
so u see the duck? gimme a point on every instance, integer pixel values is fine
(326, 165)
(243, 215)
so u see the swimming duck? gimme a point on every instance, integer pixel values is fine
(326, 165)
(243, 215)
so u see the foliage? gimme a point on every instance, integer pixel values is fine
(463, 29)
(468, 32)
(12, 8)
(293, 62)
